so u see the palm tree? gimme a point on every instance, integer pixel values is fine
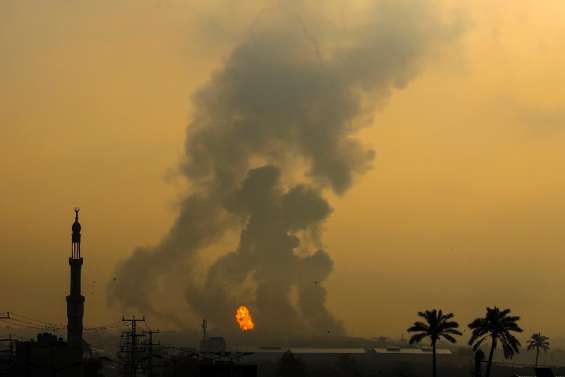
(537, 342)
(496, 325)
(437, 325)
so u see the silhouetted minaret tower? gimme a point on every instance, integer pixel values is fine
(75, 301)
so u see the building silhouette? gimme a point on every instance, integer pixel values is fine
(49, 355)
(75, 300)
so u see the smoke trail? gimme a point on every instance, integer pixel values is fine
(271, 131)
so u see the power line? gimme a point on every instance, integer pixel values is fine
(32, 325)
(109, 326)
(17, 323)
(28, 319)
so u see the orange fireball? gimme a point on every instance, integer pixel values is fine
(243, 318)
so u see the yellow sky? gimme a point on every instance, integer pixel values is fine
(463, 207)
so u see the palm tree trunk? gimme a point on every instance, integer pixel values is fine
(477, 368)
(490, 356)
(537, 355)
(434, 369)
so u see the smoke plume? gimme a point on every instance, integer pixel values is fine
(271, 132)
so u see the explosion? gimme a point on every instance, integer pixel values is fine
(243, 318)
(272, 135)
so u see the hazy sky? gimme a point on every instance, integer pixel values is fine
(463, 207)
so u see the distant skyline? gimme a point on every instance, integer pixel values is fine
(462, 209)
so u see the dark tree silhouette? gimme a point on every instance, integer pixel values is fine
(479, 359)
(437, 325)
(537, 342)
(498, 326)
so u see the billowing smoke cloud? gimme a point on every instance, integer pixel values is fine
(266, 254)
(271, 131)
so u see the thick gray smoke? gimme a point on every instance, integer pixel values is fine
(266, 254)
(271, 131)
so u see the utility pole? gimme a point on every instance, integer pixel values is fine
(132, 349)
(151, 353)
